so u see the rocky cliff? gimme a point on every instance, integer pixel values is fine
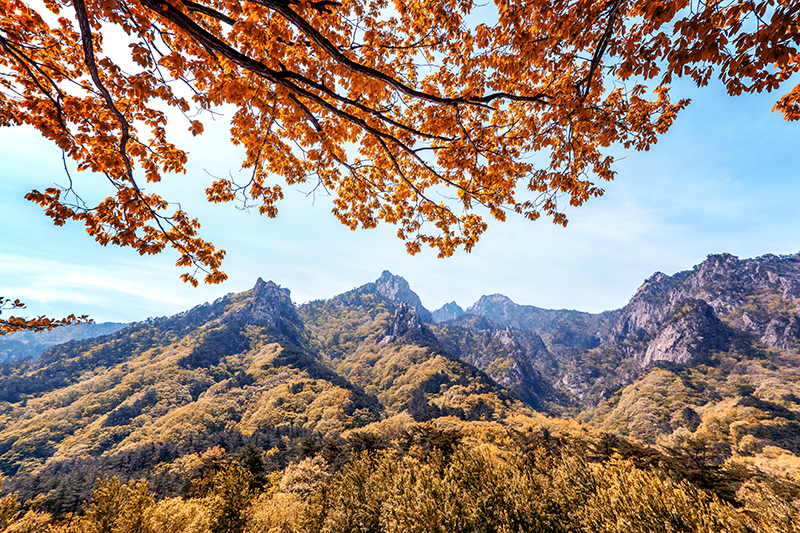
(687, 318)
(683, 319)
(759, 296)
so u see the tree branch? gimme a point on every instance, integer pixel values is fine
(199, 8)
(88, 54)
(315, 36)
(601, 48)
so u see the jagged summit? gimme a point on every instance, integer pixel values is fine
(266, 305)
(396, 289)
(497, 307)
(755, 295)
(501, 309)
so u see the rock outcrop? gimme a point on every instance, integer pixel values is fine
(515, 359)
(396, 289)
(268, 305)
(564, 331)
(689, 336)
(759, 296)
(681, 320)
(405, 322)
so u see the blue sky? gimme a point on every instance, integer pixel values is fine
(723, 179)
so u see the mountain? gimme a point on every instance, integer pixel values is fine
(396, 290)
(449, 311)
(515, 359)
(758, 296)
(24, 344)
(718, 342)
(704, 356)
(565, 332)
(249, 369)
(676, 319)
(695, 377)
(377, 339)
(233, 373)
(724, 305)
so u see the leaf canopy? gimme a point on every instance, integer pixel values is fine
(428, 114)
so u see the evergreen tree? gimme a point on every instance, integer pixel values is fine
(230, 500)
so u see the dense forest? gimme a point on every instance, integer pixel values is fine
(366, 412)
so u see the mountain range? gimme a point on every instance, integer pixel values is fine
(702, 368)
(24, 344)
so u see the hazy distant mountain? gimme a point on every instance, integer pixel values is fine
(28, 344)
(563, 331)
(449, 311)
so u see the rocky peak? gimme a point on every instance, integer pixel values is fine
(266, 305)
(496, 302)
(449, 311)
(758, 295)
(684, 318)
(725, 281)
(565, 332)
(501, 309)
(396, 289)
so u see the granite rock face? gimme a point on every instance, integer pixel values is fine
(564, 331)
(404, 323)
(268, 305)
(396, 289)
(514, 358)
(759, 296)
(688, 336)
(681, 320)
(648, 308)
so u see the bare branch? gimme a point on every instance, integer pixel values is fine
(600, 50)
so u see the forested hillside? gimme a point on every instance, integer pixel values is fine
(368, 412)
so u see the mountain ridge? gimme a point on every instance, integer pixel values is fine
(702, 362)
(722, 292)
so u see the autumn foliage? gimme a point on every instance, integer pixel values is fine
(428, 114)
(15, 323)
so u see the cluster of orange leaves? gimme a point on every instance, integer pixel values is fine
(13, 324)
(428, 114)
